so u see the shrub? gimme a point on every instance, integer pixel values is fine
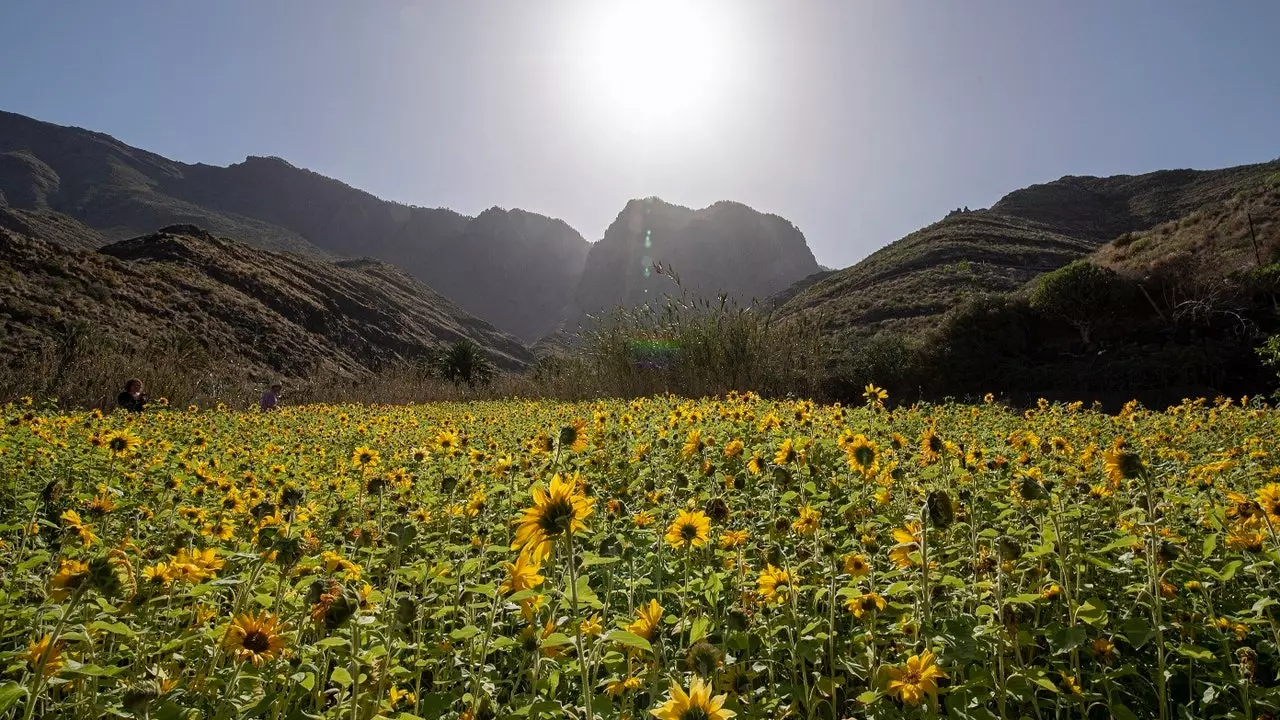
(1083, 294)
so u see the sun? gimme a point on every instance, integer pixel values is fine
(653, 69)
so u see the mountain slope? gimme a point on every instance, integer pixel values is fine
(277, 313)
(513, 268)
(907, 285)
(727, 247)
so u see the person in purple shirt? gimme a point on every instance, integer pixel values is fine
(270, 398)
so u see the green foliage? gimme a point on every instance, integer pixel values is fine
(1083, 294)
(463, 362)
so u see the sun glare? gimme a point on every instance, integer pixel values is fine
(655, 68)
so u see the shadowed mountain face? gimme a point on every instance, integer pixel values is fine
(514, 268)
(909, 284)
(279, 313)
(727, 247)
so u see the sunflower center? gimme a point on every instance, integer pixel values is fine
(256, 641)
(119, 444)
(864, 456)
(557, 516)
(688, 532)
(913, 677)
(695, 713)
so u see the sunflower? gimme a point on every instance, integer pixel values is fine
(255, 638)
(1269, 500)
(697, 705)
(733, 448)
(689, 528)
(908, 538)
(860, 605)
(648, 618)
(643, 519)
(693, 445)
(919, 677)
(756, 464)
(121, 443)
(807, 524)
(856, 565)
(628, 684)
(45, 655)
(556, 510)
(931, 446)
(1103, 648)
(733, 538)
(1245, 536)
(70, 576)
(365, 457)
(447, 441)
(875, 396)
(1121, 465)
(862, 455)
(786, 454)
(774, 584)
(591, 626)
(522, 574)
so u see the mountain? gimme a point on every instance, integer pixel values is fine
(513, 268)
(725, 248)
(273, 313)
(909, 284)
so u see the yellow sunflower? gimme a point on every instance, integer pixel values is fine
(1269, 499)
(365, 457)
(787, 453)
(45, 655)
(919, 677)
(121, 443)
(556, 510)
(522, 574)
(862, 455)
(698, 704)
(774, 584)
(70, 576)
(255, 638)
(856, 565)
(807, 524)
(860, 605)
(648, 618)
(689, 528)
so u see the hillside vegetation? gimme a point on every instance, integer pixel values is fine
(221, 304)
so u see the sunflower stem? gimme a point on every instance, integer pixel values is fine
(577, 626)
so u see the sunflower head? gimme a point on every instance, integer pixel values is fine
(255, 638)
(697, 704)
(703, 659)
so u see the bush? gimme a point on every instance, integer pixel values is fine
(1083, 294)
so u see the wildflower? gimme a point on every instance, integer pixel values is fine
(70, 576)
(365, 457)
(1103, 648)
(522, 574)
(856, 565)
(647, 620)
(733, 449)
(557, 510)
(1122, 465)
(121, 443)
(931, 446)
(591, 626)
(807, 524)
(774, 584)
(733, 538)
(919, 677)
(642, 519)
(786, 454)
(860, 605)
(698, 704)
(1069, 683)
(862, 455)
(629, 684)
(689, 529)
(255, 638)
(703, 659)
(45, 655)
(875, 396)
(1269, 500)
(1051, 591)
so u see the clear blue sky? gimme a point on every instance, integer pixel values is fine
(859, 121)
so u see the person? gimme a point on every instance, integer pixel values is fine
(132, 399)
(270, 398)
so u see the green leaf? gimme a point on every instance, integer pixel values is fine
(1195, 652)
(115, 628)
(1210, 544)
(586, 595)
(465, 633)
(630, 639)
(1137, 631)
(868, 697)
(1229, 570)
(556, 640)
(341, 676)
(699, 630)
(1093, 611)
(1125, 542)
(1122, 712)
(10, 693)
(898, 588)
(1024, 598)
(1067, 639)
(591, 560)
(332, 642)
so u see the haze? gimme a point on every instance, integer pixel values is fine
(858, 121)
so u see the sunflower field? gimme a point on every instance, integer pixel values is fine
(662, 557)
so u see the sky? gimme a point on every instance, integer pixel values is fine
(859, 121)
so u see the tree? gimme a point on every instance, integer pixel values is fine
(465, 362)
(1082, 294)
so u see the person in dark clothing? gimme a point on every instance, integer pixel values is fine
(132, 399)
